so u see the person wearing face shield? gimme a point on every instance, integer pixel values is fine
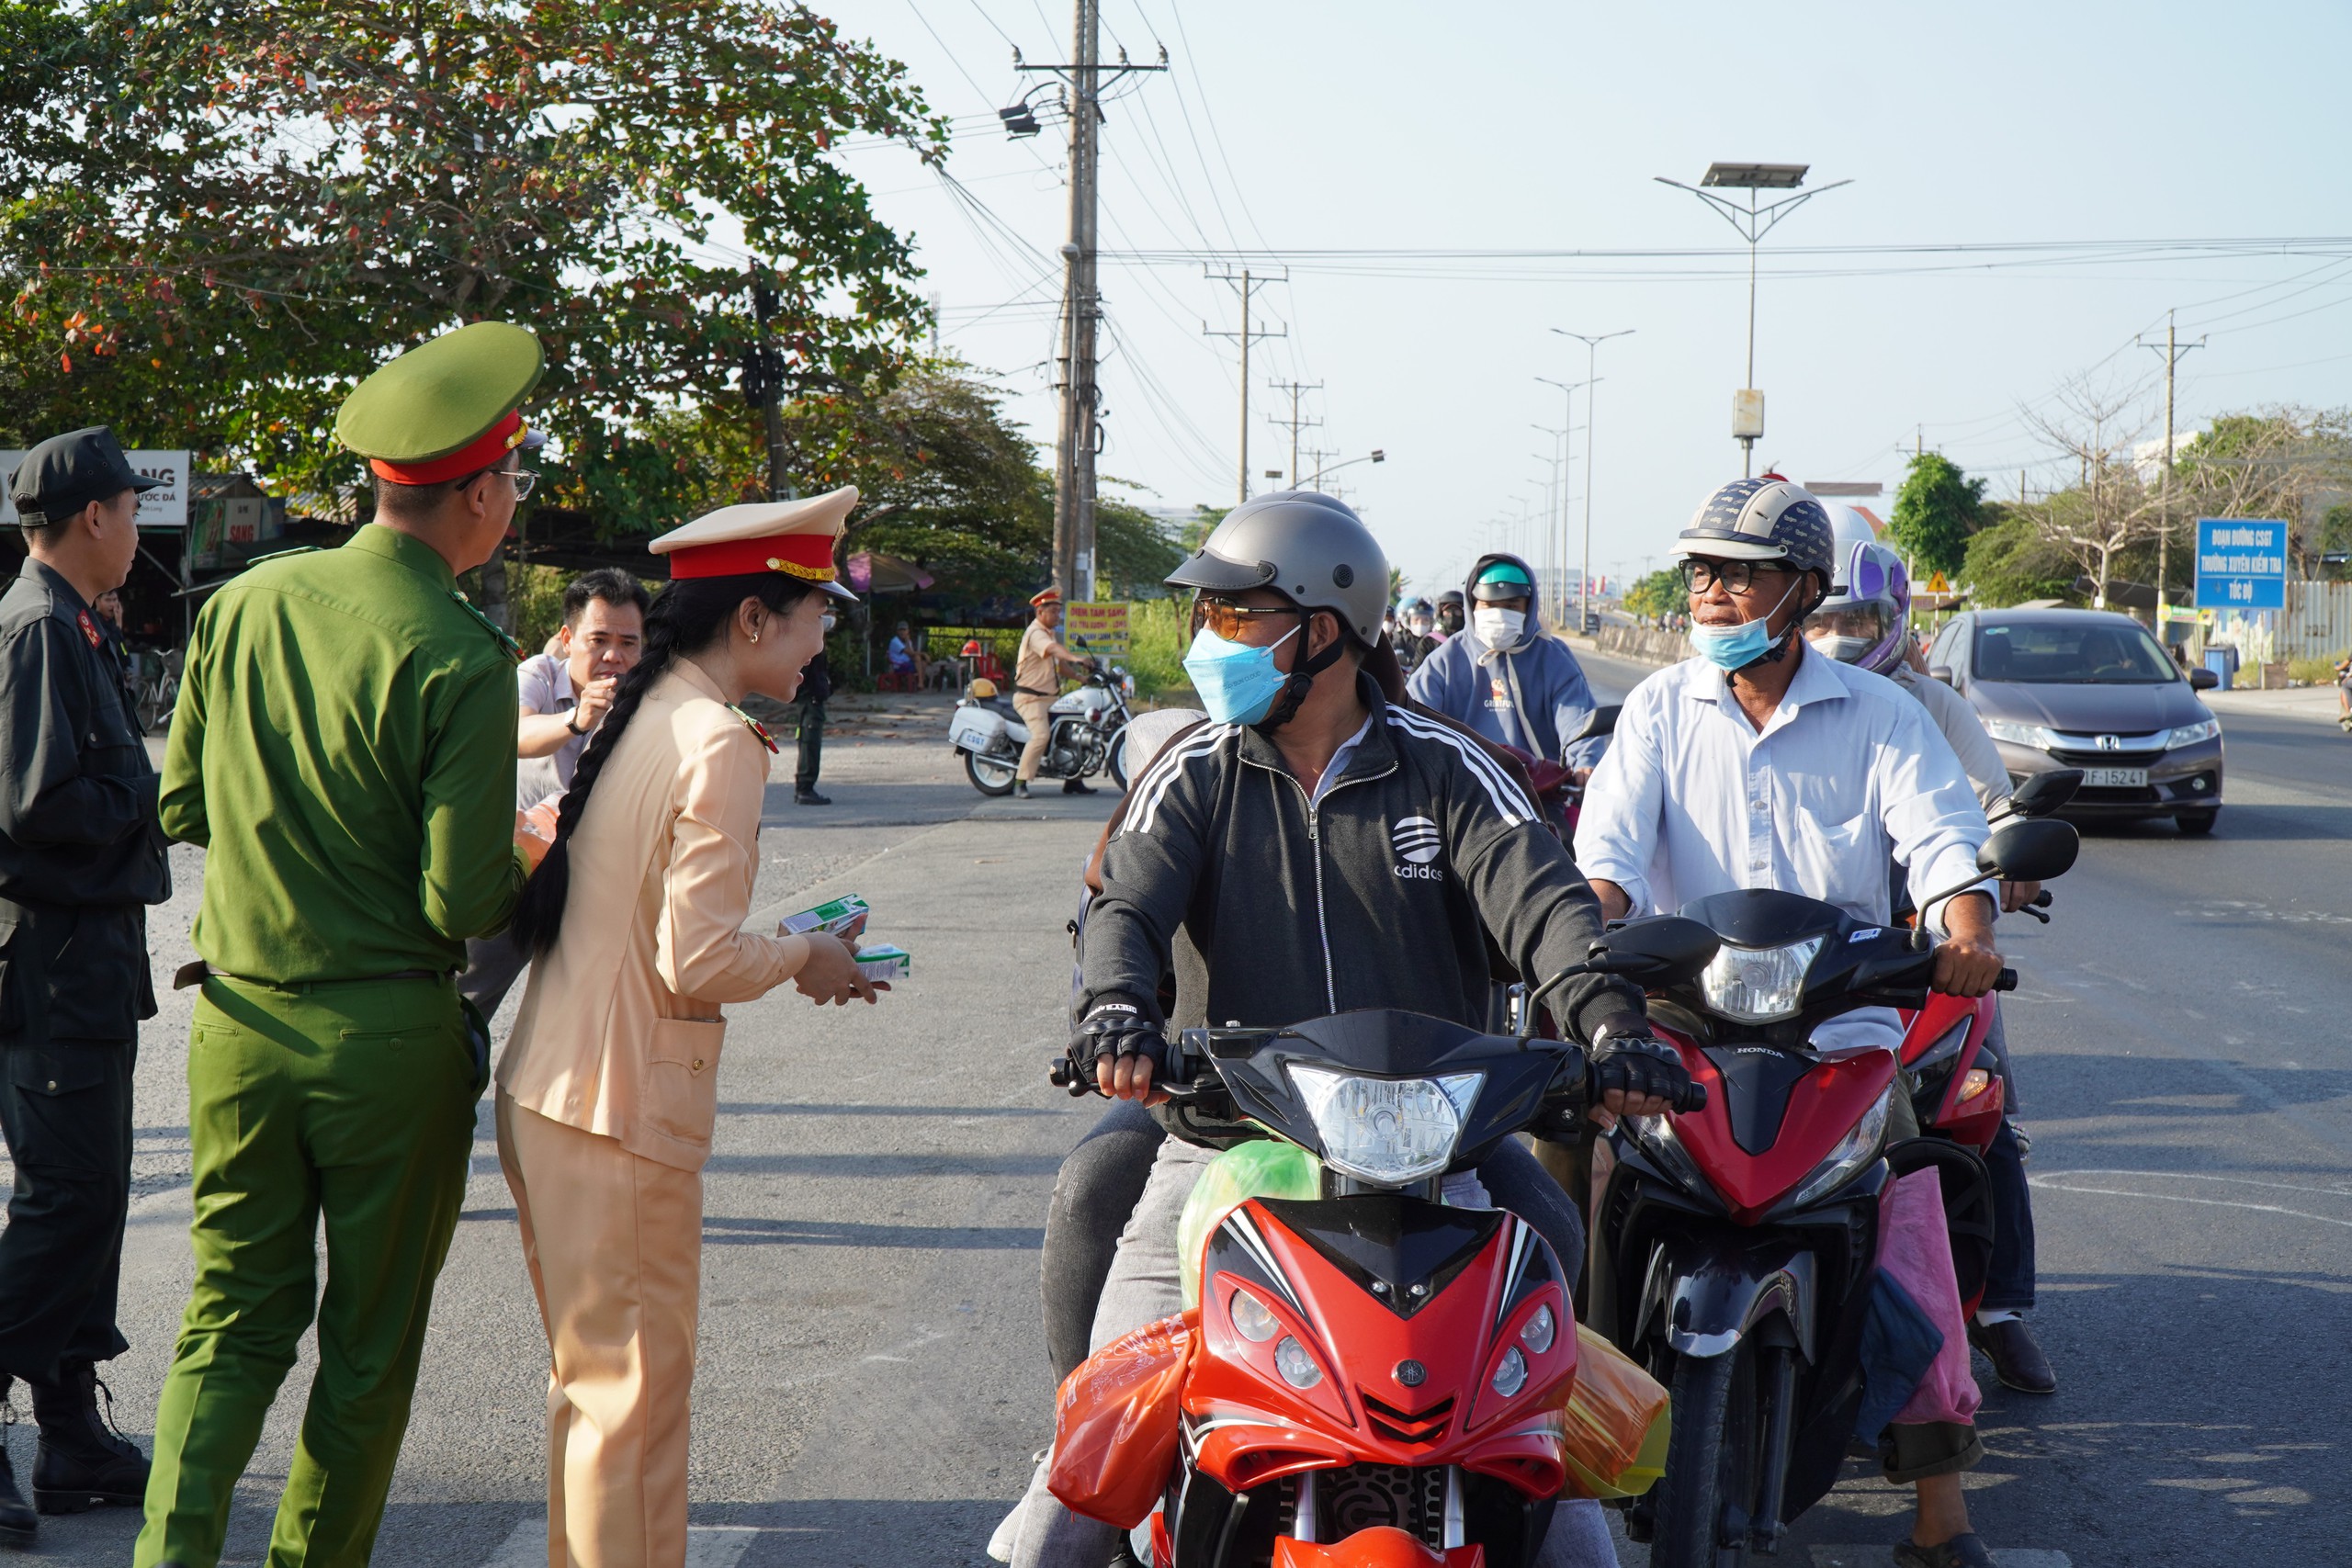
(1318, 844)
(1449, 615)
(1508, 677)
(1761, 763)
(1415, 619)
(1865, 622)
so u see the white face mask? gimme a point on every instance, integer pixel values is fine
(1500, 628)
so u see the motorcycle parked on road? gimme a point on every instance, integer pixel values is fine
(1736, 1248)
(1379, 1375)
(1089, 732)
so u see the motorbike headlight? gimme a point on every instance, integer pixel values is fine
(1252, 1320)
(1540, 1330)
(1297, 1368)
(1758, 984)
(2037, 736)
(1390, 1131)
(1855, 1150)
(1510, 1372)
(2190, 734)
(1655, 1137)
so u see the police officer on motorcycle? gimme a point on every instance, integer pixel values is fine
(1318, 845)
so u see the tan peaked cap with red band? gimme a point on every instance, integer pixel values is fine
(796, 537)
(446, 407)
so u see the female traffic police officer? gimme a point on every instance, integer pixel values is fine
(345, 750)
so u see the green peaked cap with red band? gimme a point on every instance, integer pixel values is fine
(446, 407)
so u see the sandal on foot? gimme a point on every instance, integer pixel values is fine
(1960, 1552)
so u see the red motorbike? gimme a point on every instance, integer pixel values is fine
(1950, 1070)
(1378, 1377)
(1736, 1248)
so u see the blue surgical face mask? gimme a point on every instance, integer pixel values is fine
(1237, 683)
(1736, 647)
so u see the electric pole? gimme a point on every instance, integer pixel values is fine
(1079, 434)
(1294, 424)
(2172, 351)
(1244, 284)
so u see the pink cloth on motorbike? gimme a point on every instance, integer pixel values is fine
(1917, 1251)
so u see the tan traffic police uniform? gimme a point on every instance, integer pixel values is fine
(608, 1091)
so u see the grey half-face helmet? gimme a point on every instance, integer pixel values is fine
(1308, 546)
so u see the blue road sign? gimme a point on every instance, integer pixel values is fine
(2241, 564)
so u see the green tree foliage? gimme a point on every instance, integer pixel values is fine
(1659, 593)
(217, 215)
(2011, 559)
(1133, 551)
(2273, 463)
(1935, 512)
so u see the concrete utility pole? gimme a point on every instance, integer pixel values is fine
(1567, 425)
(1079, 434)
(1244, 284)
(1592, 342)
(2172, 351)
(1294, 423)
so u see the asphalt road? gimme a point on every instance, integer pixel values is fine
(873, 1377)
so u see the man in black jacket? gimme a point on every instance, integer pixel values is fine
(1314, 849)
(81, 858)
(816, 687)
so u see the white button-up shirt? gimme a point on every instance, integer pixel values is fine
(1847, 775)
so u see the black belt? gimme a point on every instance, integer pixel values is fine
(195, 974)
(1027, 693)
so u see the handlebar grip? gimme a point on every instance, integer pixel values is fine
(1692, 1098)
(2007, 981)
(2042, 900)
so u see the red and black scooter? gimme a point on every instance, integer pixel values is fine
(1379, 1376)
(1734, 1249)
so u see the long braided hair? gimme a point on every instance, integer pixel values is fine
(686, 617)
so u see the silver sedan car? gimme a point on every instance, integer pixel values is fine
(2092, 690)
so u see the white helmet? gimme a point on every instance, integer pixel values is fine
(1867, 615)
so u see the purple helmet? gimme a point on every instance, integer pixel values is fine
(1868, 612)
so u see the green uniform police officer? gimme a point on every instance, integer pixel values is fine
(344, 748)
(80, 860)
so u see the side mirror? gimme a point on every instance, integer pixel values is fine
(2029, 850)
(1669, 950)
(1601, 720)
(2203, 680)
(1942, 672)
(2043, 794)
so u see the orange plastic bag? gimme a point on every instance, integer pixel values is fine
(1114, 1423)
(1617, 1423)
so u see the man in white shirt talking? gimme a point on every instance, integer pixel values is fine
(1760, 764)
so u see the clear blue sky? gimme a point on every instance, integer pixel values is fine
(1375, 124)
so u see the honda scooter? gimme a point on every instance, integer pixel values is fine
(1379, 1376)
(1734, 1249)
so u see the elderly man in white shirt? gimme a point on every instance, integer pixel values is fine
(1760, 764)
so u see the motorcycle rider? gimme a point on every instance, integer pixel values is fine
(1760, 764)
(1865, 622)
(1310, 788)
(1509, 679)
(1036, 679)
(1415, 621)
(1449, 614)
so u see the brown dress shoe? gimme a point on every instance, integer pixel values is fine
(2016, 1361)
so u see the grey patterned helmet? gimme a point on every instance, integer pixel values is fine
(1763, 520)
(1306, 547)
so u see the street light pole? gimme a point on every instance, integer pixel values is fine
(1567, 424)
(1592, 341)
(1753, 222)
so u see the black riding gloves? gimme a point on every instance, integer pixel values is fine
(1115, 1027)
(1635, 1064)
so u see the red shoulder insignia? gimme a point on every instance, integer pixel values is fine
(757, 728)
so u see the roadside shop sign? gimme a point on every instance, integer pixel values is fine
(166, 506)
(2241, 564)
(1099, 627)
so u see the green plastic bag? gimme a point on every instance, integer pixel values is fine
(1264, 1168)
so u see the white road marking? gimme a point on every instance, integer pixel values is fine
(1875, 1556)
(2052, 1183)
(707, 1546)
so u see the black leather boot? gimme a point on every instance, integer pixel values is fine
(17, 1523)
(82, 1463)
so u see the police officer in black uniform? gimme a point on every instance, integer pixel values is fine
(81, 858)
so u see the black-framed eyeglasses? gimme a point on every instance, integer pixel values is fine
(1736, 576)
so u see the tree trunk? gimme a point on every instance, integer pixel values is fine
(494, 603)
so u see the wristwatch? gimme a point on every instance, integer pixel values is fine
(569, 716)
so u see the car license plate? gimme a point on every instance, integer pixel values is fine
(2115, 778)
